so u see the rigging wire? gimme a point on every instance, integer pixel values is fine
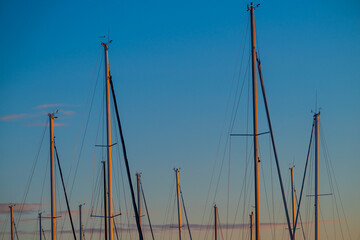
(31, 174)
(245, 31)
(147, 211)
(323, 222)
(167, 209)
(43, 184)
(301, 222)
(65, 195)
(120, 167)
(84, 114)
(331, 172)
(186, 217)
(16, 232)
(4, 227)
(305, 170)
(85, 130)
(234, 113)
(243, 191)
(126, 160)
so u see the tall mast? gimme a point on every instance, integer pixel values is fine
(316, 118)
(105, 200)
(138, 175)
(178, 202)
(255, 124)
(52, 175)
(12, 221)
(215, 221)
(108, 126)
(80, 223)
(40, 226)
(293, 201)
(251, 225)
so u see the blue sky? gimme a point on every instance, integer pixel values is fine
(172, 65)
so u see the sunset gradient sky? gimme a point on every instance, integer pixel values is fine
(173, 64)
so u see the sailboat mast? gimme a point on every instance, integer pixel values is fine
(12, 221)
(138, 175)
(105, 200)
(178, 202)
(80, 223)
(108, 127)
(251, 225)
(215, 221)
(40, 226)
(316, 117)
(255, 124)
(293, 201)
(52, 175)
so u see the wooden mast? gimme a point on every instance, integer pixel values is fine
(316, 118)
(215, 221)
(80, 223)
(138, 175)
(52, 176)
(108, 127)
(40, 226)
(255, 124)
(251, 225)
(178, 202)
(12, 221)
(293, 201)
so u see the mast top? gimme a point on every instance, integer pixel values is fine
(316, 114)
(106, 45)
(252, 6)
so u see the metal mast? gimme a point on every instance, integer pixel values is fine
(52, 175)
(293, 201)
(316, 118)
(80, 223)
(138, 175)
(255, 124)
(40, 225)
(108, 126)
(178, 201)
(215, 221)
(251, 225)
(12, 221)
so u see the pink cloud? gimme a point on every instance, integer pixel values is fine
(67, 112)
(49, 105)
(15, 116)
(44, 124)
(25, 208)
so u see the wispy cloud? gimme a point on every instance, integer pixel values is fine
(36, 124)
(67, 112)
(48, 105)
(14, 116)
(25, 208)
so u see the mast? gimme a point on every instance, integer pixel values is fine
(105, 208)
(255, 124)
(52, 175)
(12, 221)
(215, 221)
(178, 202)
(251, 225)
(80, 223)
(293, 201)
(138, 175)
(40, 225)
(108, 126)
(316, 118)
